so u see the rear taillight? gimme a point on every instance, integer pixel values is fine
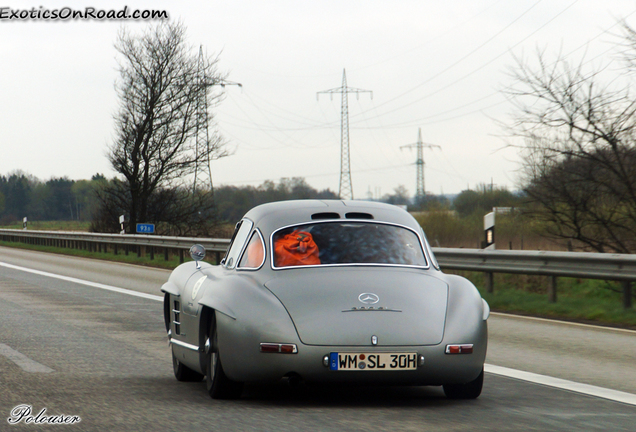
(279, 348)
(459, 349)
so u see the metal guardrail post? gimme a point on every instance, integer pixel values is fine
(490, 282)
(552, 290)
(627, 294)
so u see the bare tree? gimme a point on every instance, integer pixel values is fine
(157, 120)
(579, 144)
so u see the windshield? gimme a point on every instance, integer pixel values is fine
(346, 243)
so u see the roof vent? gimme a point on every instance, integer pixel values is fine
(356, 215)
(326, 215)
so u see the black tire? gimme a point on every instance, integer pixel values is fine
(219, 386)
(184, 373)
(470, 390)
(166, 311)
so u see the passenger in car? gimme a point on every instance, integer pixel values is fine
(295, 248)
(254, 253)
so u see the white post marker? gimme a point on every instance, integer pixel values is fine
(121, 223)
(24, 223)
(489, 230)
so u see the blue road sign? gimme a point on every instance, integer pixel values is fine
(145, 228)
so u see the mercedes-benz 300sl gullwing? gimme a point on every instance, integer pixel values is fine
(325, 291)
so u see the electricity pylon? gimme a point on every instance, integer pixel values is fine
(419, 165)
(202, 168)
(346, 190)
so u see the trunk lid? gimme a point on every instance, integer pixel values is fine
(328, 306)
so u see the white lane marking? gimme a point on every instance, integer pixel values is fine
(553, 321)
(23, 361)
(84, 282)
(601, 392)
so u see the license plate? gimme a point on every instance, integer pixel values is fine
(372, 361)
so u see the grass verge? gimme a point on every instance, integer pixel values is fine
(580, 300)
(131, 258)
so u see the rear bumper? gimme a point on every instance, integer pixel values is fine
(438, 367)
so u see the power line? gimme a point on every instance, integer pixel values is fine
(463, 77)
(419, 164)
(345, 190)
(203, 148)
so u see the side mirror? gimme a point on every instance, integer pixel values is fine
(197, 252)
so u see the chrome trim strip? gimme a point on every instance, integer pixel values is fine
(184, 345)
(371, 310)
(353, 265)
(243, 246)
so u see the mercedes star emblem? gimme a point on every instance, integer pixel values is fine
(368, 298)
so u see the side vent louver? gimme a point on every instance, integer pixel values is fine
(177, 321)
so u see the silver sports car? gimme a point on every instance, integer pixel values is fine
(325, 291)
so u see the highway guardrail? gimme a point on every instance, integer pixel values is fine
(585, 265)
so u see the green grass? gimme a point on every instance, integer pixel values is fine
(131, 258)
(581, 300)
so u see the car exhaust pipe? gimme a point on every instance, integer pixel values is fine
(294, 380)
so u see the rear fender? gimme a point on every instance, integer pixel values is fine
(466, 317)
(246, 314)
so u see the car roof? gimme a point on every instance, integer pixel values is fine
(271, 216)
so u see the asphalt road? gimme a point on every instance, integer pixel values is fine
(102, 356)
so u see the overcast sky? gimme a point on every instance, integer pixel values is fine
(434, 65)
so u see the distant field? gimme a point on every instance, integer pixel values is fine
(444, 229)
(51, 225)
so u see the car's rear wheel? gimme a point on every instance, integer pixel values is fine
(184, 373)
(470, 390)
(218, 384)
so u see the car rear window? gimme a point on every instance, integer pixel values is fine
(341, 243)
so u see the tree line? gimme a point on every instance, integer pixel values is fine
(24, 195)
(175, 211)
